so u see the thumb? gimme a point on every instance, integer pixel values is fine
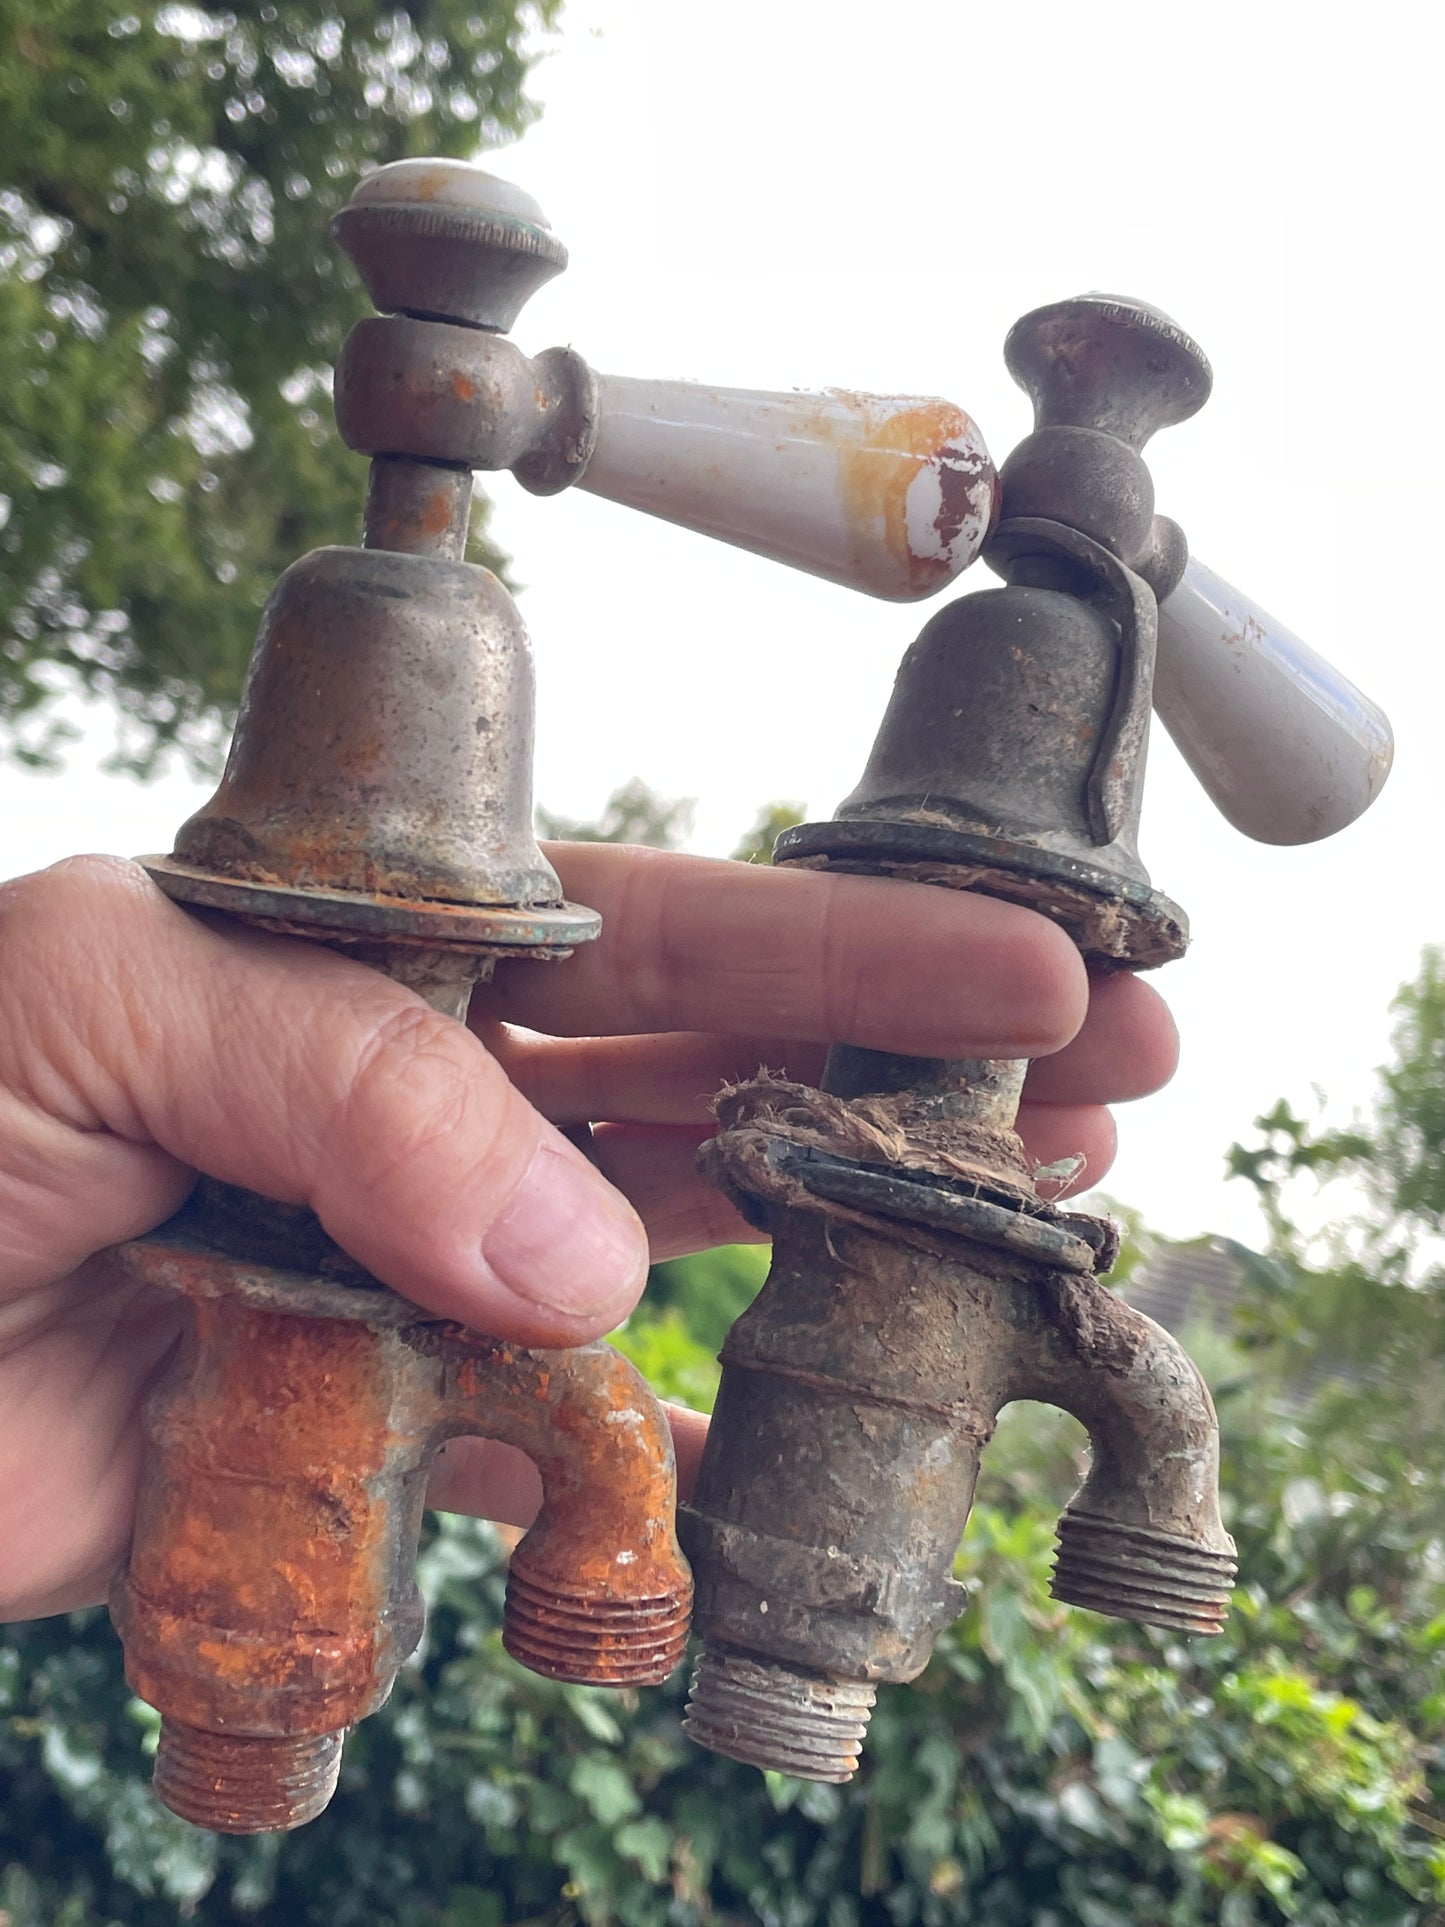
(295, 1072)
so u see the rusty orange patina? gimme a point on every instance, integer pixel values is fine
(900, 439)
(598, 1590)
(262, 1594)
(270, 1596)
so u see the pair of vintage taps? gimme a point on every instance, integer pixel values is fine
(378, 798)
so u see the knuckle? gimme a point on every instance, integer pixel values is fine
(844, 969)
(1048, 992)
(643, 910)
(78, 889)
(417, 1080)
(67, 934)
(701, 1221)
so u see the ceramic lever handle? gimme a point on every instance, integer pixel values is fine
(893, 495)
(1289, 749)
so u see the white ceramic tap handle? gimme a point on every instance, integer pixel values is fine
(1286, 746)
(893, 495)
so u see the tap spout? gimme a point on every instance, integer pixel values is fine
(1142, 1538)
(598, 1591)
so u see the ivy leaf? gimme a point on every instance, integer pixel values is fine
(603, 1785)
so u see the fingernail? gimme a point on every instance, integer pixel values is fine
(568, 1241)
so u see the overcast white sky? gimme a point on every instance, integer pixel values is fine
(802, 194)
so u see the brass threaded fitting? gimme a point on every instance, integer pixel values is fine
(1131, 1572)
(779, 1717)
(241, 1783)
(597, 1642)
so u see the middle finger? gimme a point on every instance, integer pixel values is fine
(1125, 1049)
(695, 944)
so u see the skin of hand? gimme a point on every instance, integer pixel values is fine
(140, 1044)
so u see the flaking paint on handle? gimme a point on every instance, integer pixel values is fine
(893, 495)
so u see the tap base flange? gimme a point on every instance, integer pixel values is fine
(782, 1718)
(1131, 1572)
(1117, 924)
(242, 1783)
(352, 916)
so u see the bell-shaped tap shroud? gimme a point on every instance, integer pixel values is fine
(384, 743)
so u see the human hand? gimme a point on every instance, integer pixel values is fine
(139, 1044)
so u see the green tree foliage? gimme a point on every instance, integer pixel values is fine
(1050, 1769)
(638, 814)
(1412, 1119)
(1398, 1160)
(171, 308)
(632, 814)
(1360, 1305)
(757, 845)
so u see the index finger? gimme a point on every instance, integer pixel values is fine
(696, 943)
